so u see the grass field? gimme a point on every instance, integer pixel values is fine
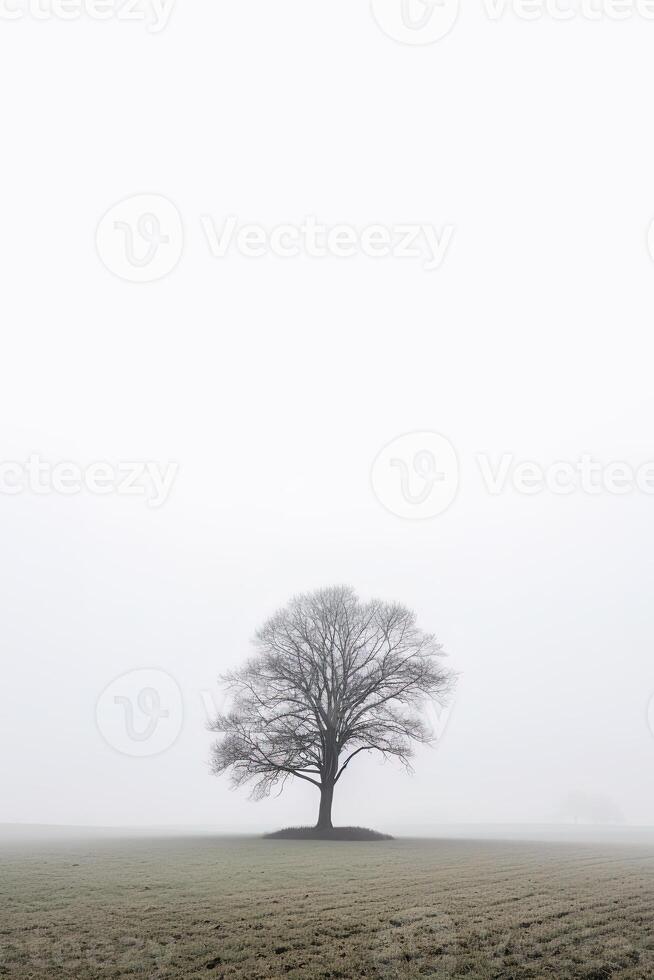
(248, 908)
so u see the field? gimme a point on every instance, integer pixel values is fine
(247, 908)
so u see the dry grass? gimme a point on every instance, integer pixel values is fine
(200, 907)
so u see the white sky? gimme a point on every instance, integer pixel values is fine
(274, 383)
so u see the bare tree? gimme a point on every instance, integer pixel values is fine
(333, 677)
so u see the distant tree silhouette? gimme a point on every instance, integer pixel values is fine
(333, 677)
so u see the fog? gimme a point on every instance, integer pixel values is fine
(273, 384)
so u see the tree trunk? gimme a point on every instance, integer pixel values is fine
(325, 812)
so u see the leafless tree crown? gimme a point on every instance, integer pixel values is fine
(332, 677)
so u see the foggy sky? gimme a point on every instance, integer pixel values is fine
(274, 383)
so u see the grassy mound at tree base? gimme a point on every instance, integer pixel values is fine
(336, 833)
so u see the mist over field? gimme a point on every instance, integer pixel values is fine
(545, 726)
(274, 384)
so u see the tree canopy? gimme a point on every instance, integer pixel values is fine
(332, 677)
